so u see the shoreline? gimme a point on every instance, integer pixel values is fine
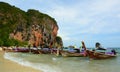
(10, 66)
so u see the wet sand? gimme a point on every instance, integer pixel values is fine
(9, 66)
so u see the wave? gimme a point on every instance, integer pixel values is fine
(39, 66)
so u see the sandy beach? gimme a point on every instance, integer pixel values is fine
(9, 66)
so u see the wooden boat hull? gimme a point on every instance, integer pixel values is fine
(16, 50)
(69, 54)
(97, 55)
(25, 50)
(43, 51)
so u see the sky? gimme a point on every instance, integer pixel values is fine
(90, 21)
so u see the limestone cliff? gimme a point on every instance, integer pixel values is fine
(34, 27)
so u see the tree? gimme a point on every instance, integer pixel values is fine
(1, 42)
(59, 41)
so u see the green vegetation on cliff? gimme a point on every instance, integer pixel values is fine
(9, 19)
(13, 20)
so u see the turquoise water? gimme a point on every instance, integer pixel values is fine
(52, 63)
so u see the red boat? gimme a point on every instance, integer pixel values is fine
(98, 55)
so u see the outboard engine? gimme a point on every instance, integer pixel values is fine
(113, 51)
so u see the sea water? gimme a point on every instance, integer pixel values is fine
(52, 63)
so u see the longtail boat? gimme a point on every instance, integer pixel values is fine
(98, 55)
(69, 54)
(16, 49)
(25, 50)
(44, 50)
(75, 54)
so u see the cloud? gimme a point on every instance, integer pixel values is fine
(118, 15)
(104, 5)
(62, 13)
(64, 36)
(89, 18)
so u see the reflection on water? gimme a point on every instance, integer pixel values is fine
(51, 63)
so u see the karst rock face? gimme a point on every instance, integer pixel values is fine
(36, 28)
